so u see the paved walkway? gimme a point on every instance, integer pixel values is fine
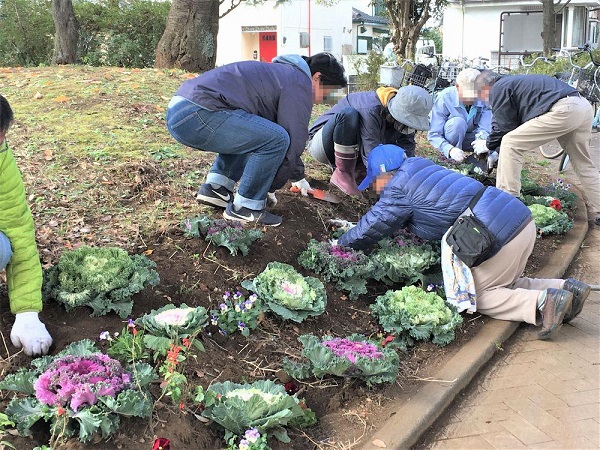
(537, 394)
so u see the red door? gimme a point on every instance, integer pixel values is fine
(268, 46)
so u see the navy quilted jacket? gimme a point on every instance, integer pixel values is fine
(427, 199)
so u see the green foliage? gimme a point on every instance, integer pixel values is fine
(348, 269)
(550, 221)
(411, 313)
(127, 346)
(368, 71)
(102, 278)
(287, 293)
(402, 259)
(102, 418)
(171, 324)
(25, 27)
(120, 34)
(263, 405)
(362, 358)
(230, 234)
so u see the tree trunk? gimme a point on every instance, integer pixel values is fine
(407, 18)
(549, 25)
(190, 38)
(66, 32)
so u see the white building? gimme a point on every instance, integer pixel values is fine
(502, 30)
(299, 26)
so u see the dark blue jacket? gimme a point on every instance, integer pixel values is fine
(427, 199)
(373, 128)
(280, 92)
(518, 98)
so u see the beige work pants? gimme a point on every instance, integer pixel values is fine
(570, 122)
(501, 291)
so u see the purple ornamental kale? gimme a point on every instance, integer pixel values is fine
(79, 380)
(346, 348)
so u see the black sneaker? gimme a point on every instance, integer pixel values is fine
(251, 215)
(215, 197)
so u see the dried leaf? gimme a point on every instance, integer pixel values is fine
(62, 99)
(48, 155)
(148, 252)
(379, 443)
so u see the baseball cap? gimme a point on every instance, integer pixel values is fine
(383, 158)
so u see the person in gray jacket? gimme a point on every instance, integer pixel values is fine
(255, 116)
(427, 199)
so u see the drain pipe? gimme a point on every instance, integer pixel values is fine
(309, 33)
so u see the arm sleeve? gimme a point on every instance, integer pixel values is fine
(24, 271)
(435, 135)
(370, 130)
(389, 214)
(485, 121)
(293, 115)
(505, 117)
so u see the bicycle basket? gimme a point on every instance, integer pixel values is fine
(419, 75)
(584, 83)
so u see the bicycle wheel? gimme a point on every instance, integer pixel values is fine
(549, 152)
(564, 162)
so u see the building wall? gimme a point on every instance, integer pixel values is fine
(288, 20)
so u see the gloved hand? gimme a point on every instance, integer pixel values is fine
(333, 242)
(31, 334)
(492, 161)
(479, 146)
(271, 199)
(303, 185)
(341, 224)
(457, 154)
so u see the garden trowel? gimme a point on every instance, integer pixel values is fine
(480, 165)
(320, 195)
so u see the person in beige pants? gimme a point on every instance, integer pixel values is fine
(532, 110)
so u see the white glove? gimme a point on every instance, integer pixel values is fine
(479, 146)
(31, 334)
(341, 223)
(457, 154)
(303, 185)
(333, 242)
(492, 161)
(271, 199)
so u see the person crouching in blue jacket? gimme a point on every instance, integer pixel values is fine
(428, 198)
(361, 121)
(255, 116)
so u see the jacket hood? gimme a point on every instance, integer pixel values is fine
(295, 60)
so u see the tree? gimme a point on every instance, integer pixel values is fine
(407, 19)
(549, 37)
(66, 32)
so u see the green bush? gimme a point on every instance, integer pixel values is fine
(26, 32)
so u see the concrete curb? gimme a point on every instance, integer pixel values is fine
(413, 418)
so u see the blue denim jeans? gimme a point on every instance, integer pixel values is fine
(5, 250)
(250, 148)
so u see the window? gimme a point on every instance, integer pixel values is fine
(327, 43)
(364, 44)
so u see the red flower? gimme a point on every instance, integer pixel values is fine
(389, 338)
(181, 406)
(161, 444)
(291, 388)
(60, 411)
(555, 203)
(173, 354)
(187, 343)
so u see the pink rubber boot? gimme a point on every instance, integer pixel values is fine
(345, 164)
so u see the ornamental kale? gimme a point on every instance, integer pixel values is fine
(287, 293)
(355, 356)
(221, 232)
(80, 392)
(550, 221)
(236, 313)
(263, 405)
(348, 269)
(172, 323)
(403, 259)
(104, 279)
(411, 313)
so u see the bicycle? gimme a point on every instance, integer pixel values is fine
(586, 79)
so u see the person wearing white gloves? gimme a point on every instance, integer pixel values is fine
(18, 251)
(532, 110)
(458, 118)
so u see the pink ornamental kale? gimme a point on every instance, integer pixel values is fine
(80, 380)
(345, 348)
(339, 252)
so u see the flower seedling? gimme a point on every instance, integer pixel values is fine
(236, 313)
(251, 440)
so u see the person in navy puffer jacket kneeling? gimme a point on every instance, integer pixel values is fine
(427, 199)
